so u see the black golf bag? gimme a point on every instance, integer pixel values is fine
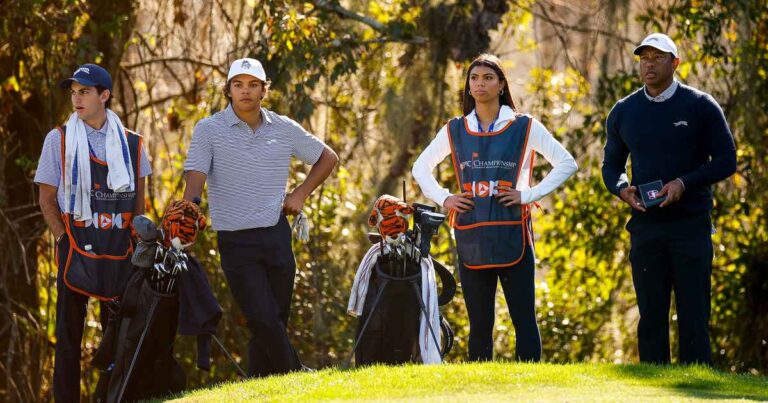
(142, 335)
(392, 332)
(168, 291)
(389, 326)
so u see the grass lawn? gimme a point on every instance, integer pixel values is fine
(496, 381)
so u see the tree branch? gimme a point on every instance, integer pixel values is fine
(155, 102)
(23, 249)
(348, 14)
(574, 28)
(175, 59)
(343, 12)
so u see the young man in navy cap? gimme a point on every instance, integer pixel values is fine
(91, 176)
(244, 153)
(680, 146)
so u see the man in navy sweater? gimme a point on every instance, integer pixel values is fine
(678, 135)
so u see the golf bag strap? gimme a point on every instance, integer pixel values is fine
(124, 336)
(204, 352)
(130, 299)
(105, 354)
(448, 336)
(448, 283)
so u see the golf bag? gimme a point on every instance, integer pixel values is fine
(392, 332)
(388, 329)
(142, 332)
(168, 291)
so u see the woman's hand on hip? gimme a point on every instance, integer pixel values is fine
(461, 203)
(508, 196)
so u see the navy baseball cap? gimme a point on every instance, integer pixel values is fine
(89, 75)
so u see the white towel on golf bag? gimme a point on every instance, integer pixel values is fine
(77, 165)
(430, 353)
(362, 278)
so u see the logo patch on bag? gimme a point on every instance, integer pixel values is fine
(105, 221)
(485, 188)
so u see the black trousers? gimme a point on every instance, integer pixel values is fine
(666, 256)
(260, 269)
(479, 290)
(71, 308)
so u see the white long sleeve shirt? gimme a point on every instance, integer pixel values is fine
(539, 140)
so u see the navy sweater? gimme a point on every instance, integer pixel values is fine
(684, 137)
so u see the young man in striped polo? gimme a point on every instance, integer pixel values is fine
(680, 146)
(244, 153)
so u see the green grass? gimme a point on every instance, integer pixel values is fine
(496, 381)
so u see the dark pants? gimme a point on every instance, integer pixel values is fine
(70, 321)
(479, 289)
(260, 270)
(666, 256)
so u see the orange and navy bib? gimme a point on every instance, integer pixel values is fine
(98, 262)
(490, 235)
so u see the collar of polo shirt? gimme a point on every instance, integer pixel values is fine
(231, 117)
(666, 94)
(101, 130)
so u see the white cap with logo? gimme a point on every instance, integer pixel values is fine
(660, 42)
(249, 66)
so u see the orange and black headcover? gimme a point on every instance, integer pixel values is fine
(390, 215)
(181, 223)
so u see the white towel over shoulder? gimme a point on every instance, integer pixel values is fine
(77, 172)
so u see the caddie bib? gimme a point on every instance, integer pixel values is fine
(490, 235)
(98, 260)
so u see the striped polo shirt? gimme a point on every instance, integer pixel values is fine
(247, 170)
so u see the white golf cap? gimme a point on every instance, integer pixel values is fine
(660, 42)
(252, 67)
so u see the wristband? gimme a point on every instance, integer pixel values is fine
(681, 182)
(620, 186)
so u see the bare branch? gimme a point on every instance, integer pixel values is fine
(155, 102)
(21, 245)
(414, 41)
(573, 27)
(336, 105)
(175, 59)
(561, 36)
